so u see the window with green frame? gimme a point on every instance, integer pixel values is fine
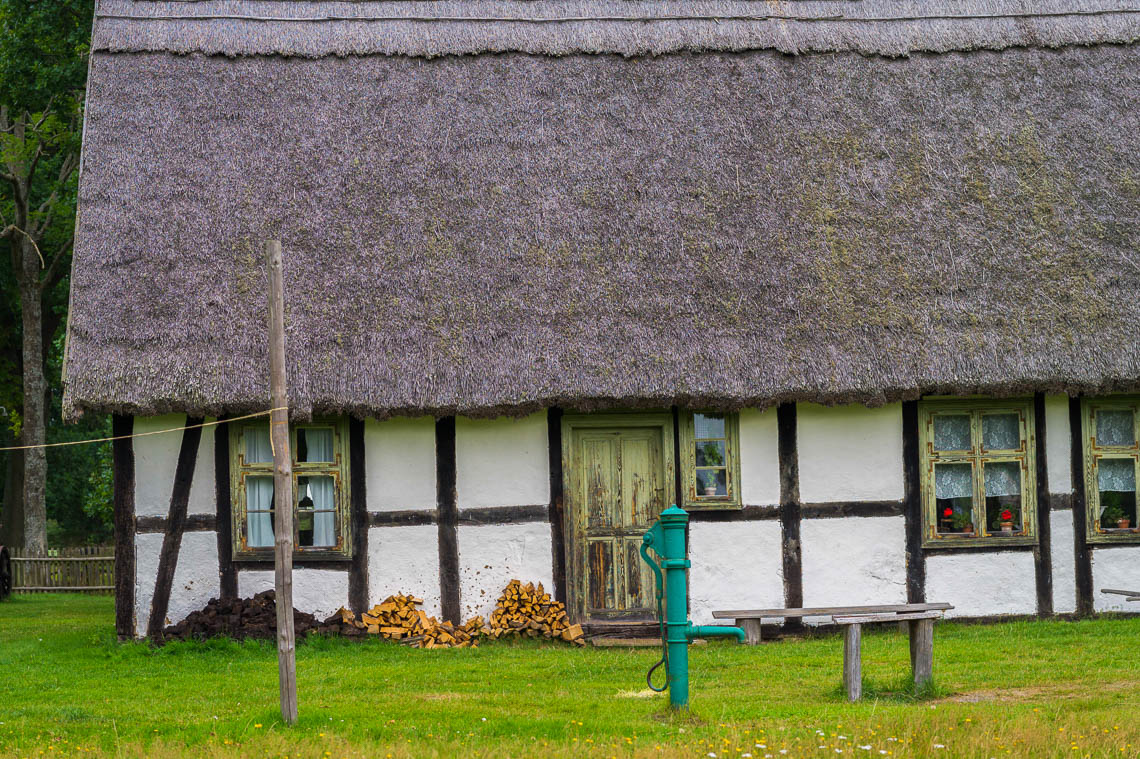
(320, 490)
(1111, 455)
(710, 463)
(977, 472)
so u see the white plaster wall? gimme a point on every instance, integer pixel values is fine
(1064, 565)
(850, 453)
(1116, 567)
(404, 560)
(490, 556)
(736, 565)
(195, 576)
(156, 458)
(983, 584)
(759, 457)
(502, 462)
(318, 591)
(853, 560)
(399, 457)
(1058, 444)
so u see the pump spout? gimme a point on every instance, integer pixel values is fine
(713, 631)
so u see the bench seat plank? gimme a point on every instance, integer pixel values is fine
(862, 619)
(828, 611)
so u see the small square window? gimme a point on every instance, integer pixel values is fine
(710, 473)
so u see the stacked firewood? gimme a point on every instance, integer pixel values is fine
(522, 611)
(398, 618)
(529, 611)
(238, 618)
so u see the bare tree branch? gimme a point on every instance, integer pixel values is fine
(47, 209)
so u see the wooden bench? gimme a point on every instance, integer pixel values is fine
(1133, 595)
(749, 620)
(919, 619)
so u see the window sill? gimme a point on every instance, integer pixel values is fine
(1130, 535)
(985, 542)
(723, 504)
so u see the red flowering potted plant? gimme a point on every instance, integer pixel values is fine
(1006, 520)
(957, 521)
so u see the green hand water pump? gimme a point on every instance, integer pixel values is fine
(667, 539)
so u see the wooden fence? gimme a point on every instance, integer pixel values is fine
(88, 569)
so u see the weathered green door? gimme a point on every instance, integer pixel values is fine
(618, 486)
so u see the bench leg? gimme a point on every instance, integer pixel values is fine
(853, 663)
(751, 628)
(922, 651)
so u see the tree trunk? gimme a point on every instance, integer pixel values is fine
(35, 391)
(12, 520)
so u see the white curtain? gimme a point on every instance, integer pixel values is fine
(320, 490)
(257, 447)
(318, 444)
(258, 501)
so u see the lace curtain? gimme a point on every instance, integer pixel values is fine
(257, 447)
(1003, 478)
(319, 447)
(952, 433)
(1001, 432)
(953, 481)
(1116, 475)
(1114, 428)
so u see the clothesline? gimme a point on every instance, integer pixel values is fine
(144, 434)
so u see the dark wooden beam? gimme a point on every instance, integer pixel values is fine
(192, 523)
(407, 518)
(1043, 553)
(790, 513)
(839, 509)
(1082, 555)
(539, 512)
(176, 521)
(223, 516)
(447, 511)
(358, 514)
(912, 507)
(746, 514)
(557, 514)
(123, 517)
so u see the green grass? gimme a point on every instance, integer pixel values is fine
(1029, 689)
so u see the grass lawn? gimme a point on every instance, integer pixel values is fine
(1029, 689)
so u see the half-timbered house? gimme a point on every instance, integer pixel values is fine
(854, 282)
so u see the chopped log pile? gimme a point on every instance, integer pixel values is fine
(239, 619)
(527, 611)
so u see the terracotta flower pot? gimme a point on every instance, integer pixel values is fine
(1007, 526)
(710, 491)
(1124, 524)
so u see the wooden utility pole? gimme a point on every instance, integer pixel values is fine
(282, 489)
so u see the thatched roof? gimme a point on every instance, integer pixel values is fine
(489, 233)
(316, 28)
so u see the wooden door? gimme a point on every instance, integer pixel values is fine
(618, 476)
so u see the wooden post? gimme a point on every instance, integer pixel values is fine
(922, 651)
(853, 662)
(282, 489)
(751, 629)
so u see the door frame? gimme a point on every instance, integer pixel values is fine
(576, 571)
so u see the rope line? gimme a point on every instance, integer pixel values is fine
(145, 434)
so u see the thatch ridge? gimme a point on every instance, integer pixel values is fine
(432, 28)
(499, 233)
